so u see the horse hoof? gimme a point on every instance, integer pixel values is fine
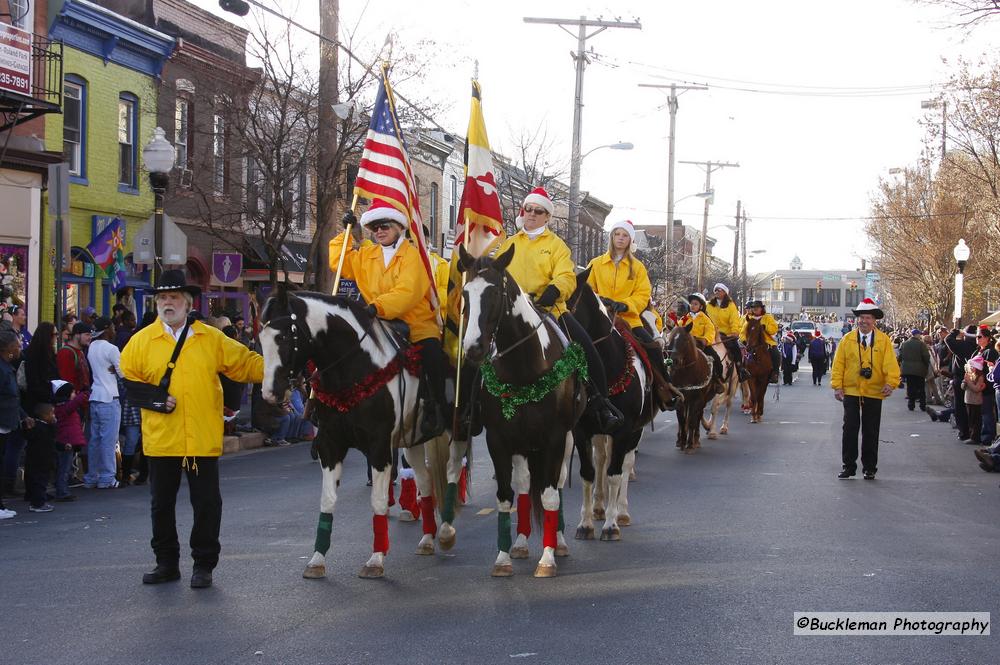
(406, 516)
(689, 451)
(425, 549)
(519, 553)
(371, 572)
(447, 536)
(562, 550)
(502, 570)
(598, 513)
(314, 572)
(624, 519)
(611, 534)
(584, 533)
(724, 430)
(543, 570)
(712, 436)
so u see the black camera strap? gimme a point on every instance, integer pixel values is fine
(871, 352)
(165, 381)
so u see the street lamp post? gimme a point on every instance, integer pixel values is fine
(574, 186)
(158, 157)
(961, 254)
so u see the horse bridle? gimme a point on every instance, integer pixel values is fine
(504, 309)
(294, 327)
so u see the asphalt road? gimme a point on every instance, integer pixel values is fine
(726, 544)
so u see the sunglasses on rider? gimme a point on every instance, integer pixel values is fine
(380, 226)
(535, 211)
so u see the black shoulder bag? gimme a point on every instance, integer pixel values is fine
(154, 398)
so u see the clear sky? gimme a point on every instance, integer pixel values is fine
(810, 156)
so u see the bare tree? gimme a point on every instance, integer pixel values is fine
(968, 13)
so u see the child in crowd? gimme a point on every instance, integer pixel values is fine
(974, 384)
(39, 453)
(69, 435)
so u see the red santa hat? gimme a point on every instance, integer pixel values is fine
(626, 226)
(868, 306)
(538, 196)
(380, 211)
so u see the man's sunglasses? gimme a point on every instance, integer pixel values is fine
(535, 211)
(380, 226)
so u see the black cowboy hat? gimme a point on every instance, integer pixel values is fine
(174, 280)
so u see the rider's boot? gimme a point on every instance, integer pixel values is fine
(775, 364)
(606, 416)
(432, 421)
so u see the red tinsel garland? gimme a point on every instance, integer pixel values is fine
(625, 380)
(348, 398)
(632, 346)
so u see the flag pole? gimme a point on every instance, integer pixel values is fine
(343, 248)
(461, 333)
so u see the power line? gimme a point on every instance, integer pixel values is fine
(766, 218)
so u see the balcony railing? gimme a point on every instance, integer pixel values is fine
(45, 95)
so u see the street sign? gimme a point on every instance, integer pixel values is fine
(174, 243)
(227, 268)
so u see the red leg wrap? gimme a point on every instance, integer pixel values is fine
(380, 525)
(427, 513)
(550, 525)
(392, 495)
(462, 485)
(523, 515)
(408, 496)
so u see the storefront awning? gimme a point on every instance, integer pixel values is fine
(293, 255)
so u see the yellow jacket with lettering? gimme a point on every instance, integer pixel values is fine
(194, 427)
(539, 262)
(612, 281)
(702, 327)
(850, 358)
(400, 290)
(770, 327)
(727, 319)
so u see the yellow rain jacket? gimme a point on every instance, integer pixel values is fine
(194, 428)
(612, 281)
(702, 327)
(540, 262)
(770, 327)
(441, 270)
(850, 358)
(727, 319)
(400, 290)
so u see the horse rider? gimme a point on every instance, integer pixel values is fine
(622, 283)
(722, 310)
(391, 277)
(756, 311)
(704, 333)
(440, 268)
(543, 267)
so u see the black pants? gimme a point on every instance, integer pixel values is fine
(819, 369)
(39, 456)
(206, 502)
(915, 390)
(788, 370)
(433, 362)
(642, 335)
(598, 377)
(864, 414)
(961, 417)
(975, 413)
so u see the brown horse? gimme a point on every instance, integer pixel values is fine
(690, 372)
(759, 365)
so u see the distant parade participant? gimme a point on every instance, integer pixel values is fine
(621, 281)
(726, 317)
(864, 373)
(704, 333)
(543, 267)
(392, 280)
(756, 311)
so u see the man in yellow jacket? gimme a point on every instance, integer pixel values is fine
(865, 372)
(392, 280)
(756, 311)
(704, 331)
(722, 310)
(189, 438)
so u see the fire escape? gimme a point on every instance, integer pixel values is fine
(25, 95)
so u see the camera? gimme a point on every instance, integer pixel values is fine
(866, 372)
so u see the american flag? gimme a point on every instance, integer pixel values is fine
(384, 172)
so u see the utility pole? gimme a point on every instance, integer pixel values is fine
(743, 256)
(672, 105)
(326, 139)
(709, 167)
(580, 57)
(736, 245)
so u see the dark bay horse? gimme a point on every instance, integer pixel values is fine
(689, 371)
(630, 387)
(531, 397)
(758, 364)
(366, 398)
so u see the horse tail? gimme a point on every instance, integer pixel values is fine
(536, 469)
(437, 464)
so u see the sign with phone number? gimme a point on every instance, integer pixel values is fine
(15, 59)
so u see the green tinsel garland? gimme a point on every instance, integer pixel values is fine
(511, 396)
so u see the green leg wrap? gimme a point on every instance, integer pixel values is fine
(503, 532)
(448, 509)
(562, 522)
(323, 529)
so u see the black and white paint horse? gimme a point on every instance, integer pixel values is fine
(365, 389)
(630, 386)
(505, 335)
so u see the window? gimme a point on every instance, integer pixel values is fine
(453, 203)
(253, 186)
(126, 143)
(20, 13)
(73, 128)
(434, 207)
(182, 130)
(853, 296)
(220, 167)
(821, 297)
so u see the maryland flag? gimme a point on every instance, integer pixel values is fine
(480, 224)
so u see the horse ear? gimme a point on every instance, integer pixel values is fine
(503, 261)
(582, 277)
(464, 259)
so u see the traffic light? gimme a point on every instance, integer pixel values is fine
(819, 285)
(238, 7)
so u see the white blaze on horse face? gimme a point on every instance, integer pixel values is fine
(474, 290)
(525, 310)
(272, 362)
(600, 306)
